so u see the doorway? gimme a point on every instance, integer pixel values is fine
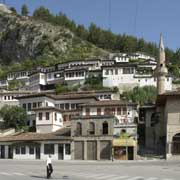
(38, 152)
(61, 151)
(2, 151)
(10, 152)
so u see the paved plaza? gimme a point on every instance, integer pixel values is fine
(105, 170)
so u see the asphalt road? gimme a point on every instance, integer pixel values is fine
(84, 170)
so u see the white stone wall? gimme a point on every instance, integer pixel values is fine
(43, 156)
(126, 81)
(51, 125)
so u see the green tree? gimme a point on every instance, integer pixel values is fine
(13, 10)
(61, 89)
(15, 84)
(141, 95)
(82, 32)
(24, 10)
(42, 14)
(13, 117)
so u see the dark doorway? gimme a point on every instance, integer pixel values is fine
(60, 151)
(10, 152)
(130, 153)
(105, 128)
(2, 151)
(176, 145)
(38, 152)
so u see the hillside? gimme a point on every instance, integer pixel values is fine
(23, 38)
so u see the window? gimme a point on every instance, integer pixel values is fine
(73, 106)
(4, 97)
(49, 76)
(34, 105)
(113, 111)
(107, 111)
(24, 106)
(67, 149)
(23, 150)
(107, 72)
(118, 111)
(39, 104)
(98, 111)
(91, 128)
(87, 112)
(47, 115)
(40, 116)
(116, 71)
(55, 116)
(105, 128)
(31, 149)
(61, 106)
(48, 148)
(65, 118)
(29, 106)
(17, 150)
(79, 129)
(124, 110)
(67, 106)
(9, 97)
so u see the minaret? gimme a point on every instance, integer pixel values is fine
(161, 70)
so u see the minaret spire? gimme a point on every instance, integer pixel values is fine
(161, 70)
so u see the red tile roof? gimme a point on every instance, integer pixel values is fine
(109, 103)
(61, 134)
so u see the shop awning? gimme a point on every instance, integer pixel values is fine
(124, 142)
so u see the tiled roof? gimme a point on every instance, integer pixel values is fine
(61, 134)
(72, 96)
(108, 103)
(161, 99)
(60, 96)
(94, 117)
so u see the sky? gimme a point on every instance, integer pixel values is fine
(141, 18)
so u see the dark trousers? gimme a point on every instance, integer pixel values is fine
(49, 170)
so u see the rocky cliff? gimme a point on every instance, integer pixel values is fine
(25, 38)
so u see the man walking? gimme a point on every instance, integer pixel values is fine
(49, 167)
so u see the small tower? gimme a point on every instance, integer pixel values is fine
(161, 70)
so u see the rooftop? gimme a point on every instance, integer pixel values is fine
(61, 134)
(109, 103)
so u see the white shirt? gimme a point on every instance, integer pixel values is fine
(48, 161)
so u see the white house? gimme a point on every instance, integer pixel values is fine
(129, 75)
(48, 119)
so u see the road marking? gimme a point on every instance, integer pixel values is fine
(106, 176)
(19, 174)
(6, 174)
(90, 175)
(152, 178)
(119, 177)
(136, 178)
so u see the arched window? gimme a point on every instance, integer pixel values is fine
(105, 128)
(79, 129)
(91, 128)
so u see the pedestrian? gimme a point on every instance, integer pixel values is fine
(49, 167)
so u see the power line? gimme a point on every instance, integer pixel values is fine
(135, 17)
(109, 14)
